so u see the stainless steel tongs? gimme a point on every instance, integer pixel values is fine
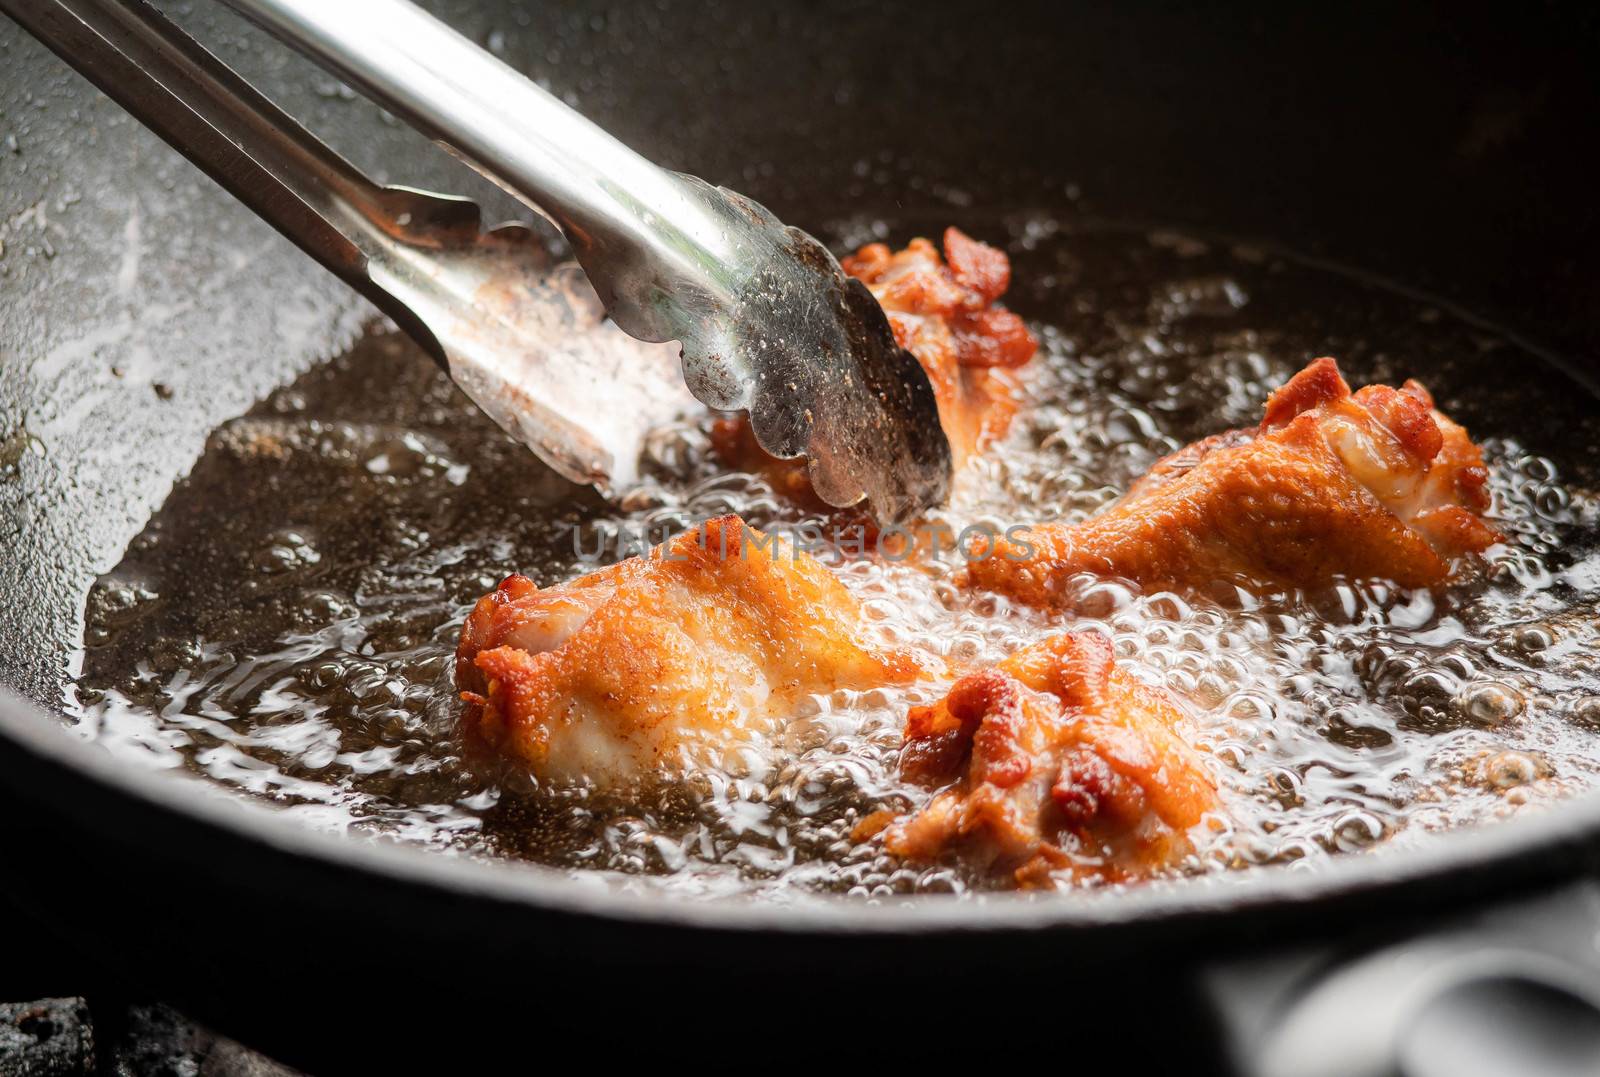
(767, 321)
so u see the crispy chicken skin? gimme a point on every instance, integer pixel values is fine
(639, 670)
(1058, 761)
(1374, 484)
(943, 311)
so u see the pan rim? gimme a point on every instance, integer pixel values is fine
(1561, 839)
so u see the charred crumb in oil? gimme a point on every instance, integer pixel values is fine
(286, 624)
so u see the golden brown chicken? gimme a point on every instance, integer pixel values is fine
(944, 312)
(649, 667)
(1375, 484)
(1060, 764)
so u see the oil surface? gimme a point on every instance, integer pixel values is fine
(285, 624)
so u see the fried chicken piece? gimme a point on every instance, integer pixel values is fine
(1060, 761)
(655, 665)
(944, 312)
(1374, 484)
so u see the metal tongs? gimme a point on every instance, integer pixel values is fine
(767, 321)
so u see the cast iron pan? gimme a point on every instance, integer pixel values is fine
(1340, 134)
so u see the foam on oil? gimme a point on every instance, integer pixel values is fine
(284, 626)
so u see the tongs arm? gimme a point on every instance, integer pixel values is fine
(767, 320)
(625, 217)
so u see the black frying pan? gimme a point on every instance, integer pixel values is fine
(1445, 150)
